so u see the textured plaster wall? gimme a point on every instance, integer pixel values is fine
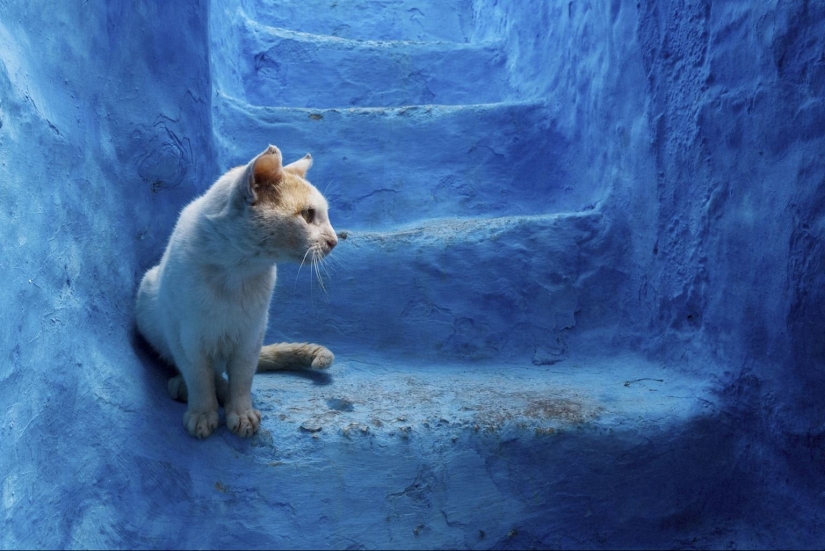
(738, 122)
(707, 121)
(524, 186)
(104, 134)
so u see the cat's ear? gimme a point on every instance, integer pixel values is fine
(267, 172)
(300, 166)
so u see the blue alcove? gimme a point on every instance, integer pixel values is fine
(577, 300)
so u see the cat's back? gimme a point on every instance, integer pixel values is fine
(148, 313)
(169, 290)
(192, 233)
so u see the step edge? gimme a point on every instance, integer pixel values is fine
(466, 225)
(283, 32)
(399, 109)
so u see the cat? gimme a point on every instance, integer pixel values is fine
(205, 306)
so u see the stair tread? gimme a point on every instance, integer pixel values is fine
(422, 108)
(390, 398)
(457, 227)
(304, 36)
(459, 450)
(286, 67)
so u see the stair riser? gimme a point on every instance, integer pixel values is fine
(367, 19)
(385, 167)
(578, 488)
(511, 289)
(296, 70)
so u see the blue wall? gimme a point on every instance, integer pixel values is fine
(104, 134)
(522, 184)
(736, 97)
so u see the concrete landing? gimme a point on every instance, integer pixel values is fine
(387, 453)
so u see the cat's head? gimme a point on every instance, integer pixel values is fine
(287, 217)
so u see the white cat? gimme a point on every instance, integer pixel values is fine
(205, 306)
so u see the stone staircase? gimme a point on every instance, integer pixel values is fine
(472, 299)
(441, 178)
(402, 130)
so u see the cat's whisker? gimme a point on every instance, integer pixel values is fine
(302, 265)
(338, 263)
(317, 264)
(313, 276)
(327, 191)
(320, 276)
(324, 266)
(311, 269)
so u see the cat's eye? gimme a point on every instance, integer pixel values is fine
(309, 215)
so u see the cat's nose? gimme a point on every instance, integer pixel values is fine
(332, 241)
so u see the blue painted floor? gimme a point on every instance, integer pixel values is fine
(388, 453)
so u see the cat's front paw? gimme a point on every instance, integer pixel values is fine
(245, 423)
(323, 358)
(200, 424)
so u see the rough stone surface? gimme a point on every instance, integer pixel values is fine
(577, 299)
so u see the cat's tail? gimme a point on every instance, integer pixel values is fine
(294, 355)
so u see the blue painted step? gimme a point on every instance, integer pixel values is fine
(383, 167)
(524, 289)
(421, 20)
(382, 453)
(279, 67)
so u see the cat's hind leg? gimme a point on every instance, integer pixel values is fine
(177, 388)
(294, 355)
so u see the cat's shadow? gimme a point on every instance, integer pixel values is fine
(321, 378)
(148, 357)
(165, 371)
